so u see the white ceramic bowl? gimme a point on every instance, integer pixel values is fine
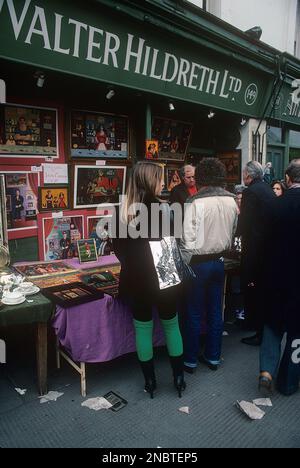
(13, 296)
(26, 285)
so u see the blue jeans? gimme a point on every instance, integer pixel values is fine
(204, 301)
(288, 372)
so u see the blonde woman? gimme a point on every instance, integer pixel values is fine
(139, 284)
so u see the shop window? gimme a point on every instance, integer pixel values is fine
(295, 139)
(294, 153)
(274, 135)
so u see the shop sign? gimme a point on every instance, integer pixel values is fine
(67, 37)
(287, 104)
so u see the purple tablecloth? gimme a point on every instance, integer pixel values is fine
(102, 261)
(99, 331)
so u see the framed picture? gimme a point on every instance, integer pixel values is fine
(172, 178)
(22, 209)
(173, 138)
(60, 236)
(28, 131)
(233, 163)
(151, 149)
(53, 198)
(98, 229)
(96, 135)
(42, 269)
(72, 294)
(105, 281)
(87, 251)
(97, 185)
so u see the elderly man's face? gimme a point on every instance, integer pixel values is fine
(189, 177)
(246, 178)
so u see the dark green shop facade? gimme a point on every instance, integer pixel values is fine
(151, 53)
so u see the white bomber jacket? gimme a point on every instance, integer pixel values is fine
(210, 223)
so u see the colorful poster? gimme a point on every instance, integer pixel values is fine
(98, 135)
(173, 138)
(60, 237)
(21, 199)
(28, 131)
(98, 229)
(232, 160)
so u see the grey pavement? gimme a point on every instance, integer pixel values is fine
(214, 420)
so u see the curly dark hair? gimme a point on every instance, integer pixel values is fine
(210, 172)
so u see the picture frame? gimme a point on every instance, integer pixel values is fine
(233, 163)
(173, 138)
(99, 135)
(151, 149)
(98, 186)
(70, 295)
(97, 230)
(34, 270)
(172, 178)
(28, 131)
(87, 251)
(59, 235)
(21, 181)
(54, 198)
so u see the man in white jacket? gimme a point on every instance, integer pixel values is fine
(209, 226)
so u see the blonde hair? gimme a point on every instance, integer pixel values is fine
(145, 181)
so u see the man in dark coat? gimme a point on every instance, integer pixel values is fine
(187, 188)
(282, 312)
(252, 230)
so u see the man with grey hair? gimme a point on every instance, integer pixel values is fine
(252, 223)
(187, 188)
(282, 290)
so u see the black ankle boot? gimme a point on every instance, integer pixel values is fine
(149, 374)
(178, 374)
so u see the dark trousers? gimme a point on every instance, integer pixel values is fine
(254, 306)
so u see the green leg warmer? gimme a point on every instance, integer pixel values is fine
(143, 338)
(173, 337)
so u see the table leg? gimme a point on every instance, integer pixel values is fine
(41, 353)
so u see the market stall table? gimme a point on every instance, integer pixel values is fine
(98, 331)
(38, 312)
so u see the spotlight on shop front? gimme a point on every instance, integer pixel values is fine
(171, 106)
(111, 93)
(211, 114)
(40, 79)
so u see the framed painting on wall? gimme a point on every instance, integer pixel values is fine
(22, 202)
(54, 198)
(97, 185)
(96, 135)
(233, 163)
(172, 178)
(98, 229)
(173, 138)
(28, 131)
(60, 235)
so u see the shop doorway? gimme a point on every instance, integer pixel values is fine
(276, 157)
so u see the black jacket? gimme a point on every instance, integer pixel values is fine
(282, 263)
(179, 194)
(252, 227)
(138, 277)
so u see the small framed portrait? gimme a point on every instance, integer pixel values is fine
(87, 251)
(69, 295)
(151, 149)
(98, 228)
(54, 198)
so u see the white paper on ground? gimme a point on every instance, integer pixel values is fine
(97, 404)
(225, 333)
(51, 396)
(184, 409)
(20, 391)
(251, 410)
(263, 402)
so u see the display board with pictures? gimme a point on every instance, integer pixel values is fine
(60, 236)
(173, 138)
(28, 131)
(233, 164)
(98, 229)
(97, 135)
(97, 185)
(21, 189)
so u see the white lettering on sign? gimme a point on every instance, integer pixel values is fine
(2, 352)
(296, 93)
(2, 92)
(129, 53)
(296, 353)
